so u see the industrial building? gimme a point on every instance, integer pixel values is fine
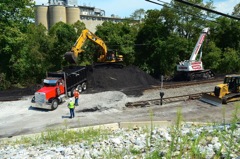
(69, 12)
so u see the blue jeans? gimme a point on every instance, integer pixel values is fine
(76, 102)
(72, 115)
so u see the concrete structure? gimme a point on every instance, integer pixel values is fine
(63, 2)
(72, 14)
(56, 14)
(68, 12)
(41, 15)
(92, 21)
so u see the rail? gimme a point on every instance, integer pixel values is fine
(152, 102)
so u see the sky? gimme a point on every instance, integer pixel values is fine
(124, 8)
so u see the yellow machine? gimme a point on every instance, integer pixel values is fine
(229, 91)
(106, 56)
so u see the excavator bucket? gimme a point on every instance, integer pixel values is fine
(69, 57)
(211, 99)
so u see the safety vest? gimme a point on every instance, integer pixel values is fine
(71, 105)
(76, 94)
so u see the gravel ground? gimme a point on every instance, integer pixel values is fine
(104, 103)
(18, 117)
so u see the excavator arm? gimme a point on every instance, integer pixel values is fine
(72, 55)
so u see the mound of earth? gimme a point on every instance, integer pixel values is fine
(128, 79)
(17, 93)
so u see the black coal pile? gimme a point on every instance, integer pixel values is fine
(129, 79)
(17, 93)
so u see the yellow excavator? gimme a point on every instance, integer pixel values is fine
(106, 56)
(228, 91)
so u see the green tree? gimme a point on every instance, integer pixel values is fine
(79, 26)
(119, 36)
(236, 10)
(63, 37)
(212, 57)
(230, 61)
(14, 20)
(227, 34)
(30, 65)
(138, 14)
(151, 53)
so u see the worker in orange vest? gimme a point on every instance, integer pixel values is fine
(76, 96)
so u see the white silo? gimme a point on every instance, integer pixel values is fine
(41, 15)
(56, 14)
(73, 14)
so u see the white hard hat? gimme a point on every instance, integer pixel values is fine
(76, 89)
(71, 99)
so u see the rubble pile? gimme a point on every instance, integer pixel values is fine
(116, 79)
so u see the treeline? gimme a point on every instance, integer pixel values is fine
(154, 40)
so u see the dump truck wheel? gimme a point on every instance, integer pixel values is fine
(72, 92)
(79, 88)
(33, 99)
(84, 86)
(54, 104)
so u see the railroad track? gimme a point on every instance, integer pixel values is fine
(158, 101)
(168, 85)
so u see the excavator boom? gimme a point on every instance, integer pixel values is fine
(72, 55)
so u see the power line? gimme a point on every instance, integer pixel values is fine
(168, 6)
(207, 9)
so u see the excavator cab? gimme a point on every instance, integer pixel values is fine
(112, 56)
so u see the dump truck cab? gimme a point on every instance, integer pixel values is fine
(53, 87)
(60, 85)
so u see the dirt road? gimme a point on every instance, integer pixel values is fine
(18, 117)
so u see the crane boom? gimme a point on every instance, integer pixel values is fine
(199, 43)
(193, 68)
(71, 56)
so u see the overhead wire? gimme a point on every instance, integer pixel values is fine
(174, 7)
(208, 10)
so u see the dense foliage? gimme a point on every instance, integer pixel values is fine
(154, 40)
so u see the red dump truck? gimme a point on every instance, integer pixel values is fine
(57, 86)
